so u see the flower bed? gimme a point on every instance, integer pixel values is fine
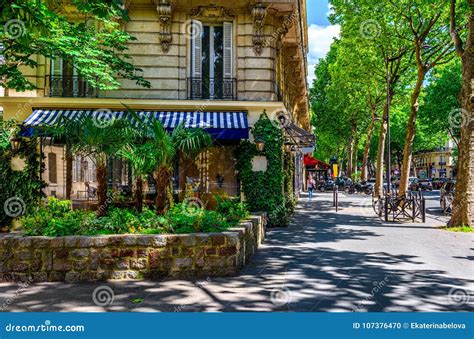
(90, 258)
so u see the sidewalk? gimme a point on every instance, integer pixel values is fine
(324, 261)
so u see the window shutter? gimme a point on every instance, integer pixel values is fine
(196, 46)
(227, 49)
(57, 66)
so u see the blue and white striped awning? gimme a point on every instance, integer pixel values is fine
(222, 125)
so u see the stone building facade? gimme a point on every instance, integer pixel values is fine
(201, 58)
(438, 163)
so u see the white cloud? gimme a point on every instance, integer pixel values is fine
(320, 40)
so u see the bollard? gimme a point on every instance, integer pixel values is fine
(423, 211)
(337, 198)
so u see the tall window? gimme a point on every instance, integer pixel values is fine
(211, 61)
(66, 82)
(52, 168)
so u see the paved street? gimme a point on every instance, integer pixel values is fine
(324, 261)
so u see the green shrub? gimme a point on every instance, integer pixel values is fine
(185, 219)
(120, 221)
(233, 210)
(56, 218)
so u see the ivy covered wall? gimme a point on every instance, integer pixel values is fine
(264, 190)
(20, 191)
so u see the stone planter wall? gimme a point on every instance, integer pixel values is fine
(81, 258)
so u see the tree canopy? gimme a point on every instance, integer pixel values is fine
(95, 44)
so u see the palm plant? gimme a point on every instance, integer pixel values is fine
(190, 141)
(87, 137)
(143, 159)
(165, 151)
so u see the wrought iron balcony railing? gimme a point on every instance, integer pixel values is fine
(212, 89)
(69, 86)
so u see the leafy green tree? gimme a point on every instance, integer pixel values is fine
(463, 204)
(95, 45)
(441, 100)
(424, 24)
(368, 25)
(89, 136)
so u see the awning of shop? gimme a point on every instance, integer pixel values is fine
(221, 125)
(298, 136)
(312, 162)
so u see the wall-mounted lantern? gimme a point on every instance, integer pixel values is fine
(260, 144)
(15, 143)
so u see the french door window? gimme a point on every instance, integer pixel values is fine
(66, 82)
(211, 61)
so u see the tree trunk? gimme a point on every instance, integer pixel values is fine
(463, 204)
(162, 179)
(365, 157)
(378, 189)
(68, 172)
(349, 157)
(410, 136)
(139, 194)
(355, 149)
(101, 173)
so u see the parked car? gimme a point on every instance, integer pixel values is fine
(420, 184)
(446, 196)
(439, 182)
(411, 180)
(425, 185)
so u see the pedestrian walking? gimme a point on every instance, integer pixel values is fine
(310, 183)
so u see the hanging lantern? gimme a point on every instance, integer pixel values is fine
(260, 144)
(15, 143)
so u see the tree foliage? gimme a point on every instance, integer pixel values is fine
(95, 44)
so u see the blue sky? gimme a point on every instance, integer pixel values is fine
(320, 31)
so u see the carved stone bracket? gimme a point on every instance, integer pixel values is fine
(212, 13)
(164, 9)
(259, 12)
(126, 7)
